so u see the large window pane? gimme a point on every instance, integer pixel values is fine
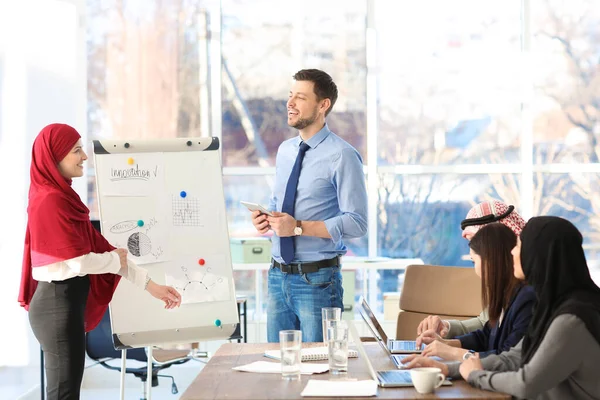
(261, 52)
(143, 72)
(419, 215)
(449, 81)
(576, 197)
(567, 80)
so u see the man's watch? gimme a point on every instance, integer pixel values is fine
(298, 228)
(468, 354)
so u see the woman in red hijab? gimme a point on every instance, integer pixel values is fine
(70, 271)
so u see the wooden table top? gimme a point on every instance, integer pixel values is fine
(218, 381)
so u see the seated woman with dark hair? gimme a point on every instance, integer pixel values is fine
(558, 356)
(509, 301)
(480, 215)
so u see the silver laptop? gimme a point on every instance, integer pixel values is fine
(392, 378)
(391, 345)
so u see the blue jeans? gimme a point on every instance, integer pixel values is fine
(295, 301)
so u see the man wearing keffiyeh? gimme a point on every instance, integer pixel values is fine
(478, 216)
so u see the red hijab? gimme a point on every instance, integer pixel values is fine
(59, 226)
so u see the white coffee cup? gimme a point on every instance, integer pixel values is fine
(426, 380)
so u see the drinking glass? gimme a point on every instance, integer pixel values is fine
(329, 314)
(337, 342)
(291, 345)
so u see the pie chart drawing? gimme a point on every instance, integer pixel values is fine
(139, 244)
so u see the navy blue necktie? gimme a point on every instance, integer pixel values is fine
(289, 201)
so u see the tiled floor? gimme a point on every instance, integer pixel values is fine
(100, 383)
(16, 381)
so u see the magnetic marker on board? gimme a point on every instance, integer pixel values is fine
(130, 161)
(218, 323)
(189, 143)
(140, 223)
(126, 145)
(201, 261)
(183, 193)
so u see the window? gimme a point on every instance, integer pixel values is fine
(419, 215)
(261, 52)
(566, 108)
(455, 122)
(449, 90)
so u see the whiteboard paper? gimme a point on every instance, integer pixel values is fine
(147, 243)
(131, 174)
(199, 283)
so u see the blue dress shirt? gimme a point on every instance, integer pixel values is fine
(331, 188)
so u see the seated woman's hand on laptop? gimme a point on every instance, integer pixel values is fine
(435, 323)
(443, 349)
(417, 361)
(427, 337)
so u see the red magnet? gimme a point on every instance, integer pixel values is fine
(201, 261)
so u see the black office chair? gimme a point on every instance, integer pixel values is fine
(99, 347)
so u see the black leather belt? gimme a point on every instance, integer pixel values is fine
(306, 268)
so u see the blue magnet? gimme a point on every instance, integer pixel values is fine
(140, 223)
(183, 193)
(217, 322)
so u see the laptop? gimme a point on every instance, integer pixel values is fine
(392, 378)
(392, 346)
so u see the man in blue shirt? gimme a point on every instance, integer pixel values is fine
(319, 199)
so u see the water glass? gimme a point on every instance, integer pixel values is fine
(291, 345)
(337, 342)
(329, 314)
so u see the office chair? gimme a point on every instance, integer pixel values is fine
(450, 292)
(99, 347)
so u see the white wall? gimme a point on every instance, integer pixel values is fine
(42, 80)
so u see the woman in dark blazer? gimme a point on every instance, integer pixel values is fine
(508, 300)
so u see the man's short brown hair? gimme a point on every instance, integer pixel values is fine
(325, 87)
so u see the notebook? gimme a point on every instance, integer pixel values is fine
(310, 354)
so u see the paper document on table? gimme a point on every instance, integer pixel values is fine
(318, 388)
(267, 367)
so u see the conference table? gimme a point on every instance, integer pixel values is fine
(218, 381)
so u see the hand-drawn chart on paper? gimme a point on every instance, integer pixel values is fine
(145, 243)
(197, 283)
(186, 211)
(139, 244)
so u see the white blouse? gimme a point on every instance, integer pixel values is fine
(92, 263)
